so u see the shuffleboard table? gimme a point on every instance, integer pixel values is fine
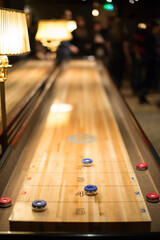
(23, 78)
(86, 118)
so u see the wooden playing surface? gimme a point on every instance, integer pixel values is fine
(87, 130)
(22, 80)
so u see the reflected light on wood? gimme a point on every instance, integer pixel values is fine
(59, 115)
(61, 107)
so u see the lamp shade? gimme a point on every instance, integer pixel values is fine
(53, 30)
(71, 25)
(13, 32)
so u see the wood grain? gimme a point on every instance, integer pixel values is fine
(22, 80)
(57, 175)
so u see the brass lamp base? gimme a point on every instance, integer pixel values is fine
(3, 77)
(4, 64)
(52, 46)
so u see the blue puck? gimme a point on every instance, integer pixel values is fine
(39, 205)
(91, 189)
(87, 162)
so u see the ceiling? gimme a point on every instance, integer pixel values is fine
(91, 1)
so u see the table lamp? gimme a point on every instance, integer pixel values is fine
(13, 41)
(51, 32)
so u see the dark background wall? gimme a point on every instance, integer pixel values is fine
(43, 9)
(47, 10)
(144, 9)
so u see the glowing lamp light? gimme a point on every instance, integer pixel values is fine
(61, 107)
(14, 40)
(108, 7)
(71, 25)
(109, 1)
(13, 32)
(95, 12)
(52, 32)
(142, 25)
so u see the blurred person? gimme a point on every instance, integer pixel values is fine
(130, 25)
(32, 29)
(152, 61)
(63, 50)
(37, 49)
(67, 14)
(117, 54)
(158, 67)
(152, 54)
(99, 41)
(138, 60)
(42, 52)
(81, 42)
(110, 21)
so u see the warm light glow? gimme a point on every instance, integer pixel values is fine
(49, 30)
(59, 114)
(142, 25)
(61, 107)
(13, 32)
(95, 12)
(109, 1)
(131, 1)
(52, 32)
(72, 25)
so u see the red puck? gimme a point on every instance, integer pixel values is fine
(152, 197)
(141, 166)
(5, 202)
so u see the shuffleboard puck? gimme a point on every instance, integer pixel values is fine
(5, 202)
(90, 190)
(39, 205)
(141, 166)
(87, 162)
(152, 197)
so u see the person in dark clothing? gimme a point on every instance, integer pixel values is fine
(37, 49)
(117, 54)
(100, 40)
(152, 61)
(152, 55)
(81, 43)
(138, 60)
(63, 50)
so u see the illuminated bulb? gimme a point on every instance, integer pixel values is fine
(95, 12)
(142, 26)
(109, 1)
(71, 25)
(61, 107)
(131, 1)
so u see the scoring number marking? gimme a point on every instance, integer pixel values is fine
(137, 193)
(143, 210)
(80, 211)
(80, 194)
(81, 138)
(80, 179)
